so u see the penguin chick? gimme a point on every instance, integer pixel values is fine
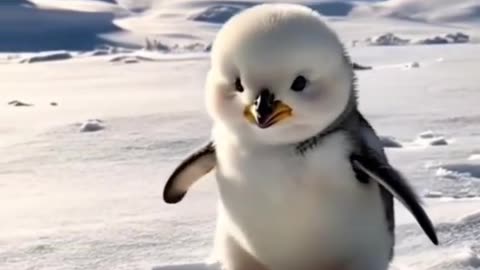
(303, 180)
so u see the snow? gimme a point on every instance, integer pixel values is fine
(390, 142)
(92, 125)
(48, 56)
(93, 200)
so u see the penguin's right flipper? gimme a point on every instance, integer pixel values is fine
(370, 160)
(191, 169)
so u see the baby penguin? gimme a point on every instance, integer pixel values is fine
(302, 177)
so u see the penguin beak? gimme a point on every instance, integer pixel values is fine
(266, 111)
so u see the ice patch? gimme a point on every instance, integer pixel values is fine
(92, 125)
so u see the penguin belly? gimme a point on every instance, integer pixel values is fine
(292, 211)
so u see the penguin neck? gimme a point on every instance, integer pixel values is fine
(343, 122)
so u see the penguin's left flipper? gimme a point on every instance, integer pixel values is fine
(190, 170)
(370, 162)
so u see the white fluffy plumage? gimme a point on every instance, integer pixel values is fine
(267, 46)
(280, 210)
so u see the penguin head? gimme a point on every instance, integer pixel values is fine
(278, 75)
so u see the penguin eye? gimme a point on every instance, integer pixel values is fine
(299, 84)
(238, 85)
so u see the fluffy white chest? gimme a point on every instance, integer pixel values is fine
(290, 208)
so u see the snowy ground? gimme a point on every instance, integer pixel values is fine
(92, 200)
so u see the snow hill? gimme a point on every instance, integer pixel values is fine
(39, 25)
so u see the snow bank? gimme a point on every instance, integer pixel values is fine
(433, 11)
(433, 194)
(388, 39)
(458, 37)
(391, 39)
(92, 125)
(47, 56)
(429, 138)
(357, 66)
(466, 259)
(155, 45)
(469, 169)
(18, 103)
(192, 266)
(25, 26)
(474, 157)
(220, 13)
(463, 176)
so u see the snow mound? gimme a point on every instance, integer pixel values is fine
(390, 142)
(427, 135)
(218, 13)
(191, 266)
(429, 138)
(92, 125)
(357, 66)
(391, 39)
(470, 218)
(433, 194)
(464, 177)
(411, 65)
(388, 39)
(47, 56)
(474, 157)
(154, 45)
(333, 8)
(466, 169)
(432, 11)
(462, 260)
(18, 103)
(458, 37)
(132, 58)
(47, 25)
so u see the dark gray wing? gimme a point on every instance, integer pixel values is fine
(370, 160)
(191, 169)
